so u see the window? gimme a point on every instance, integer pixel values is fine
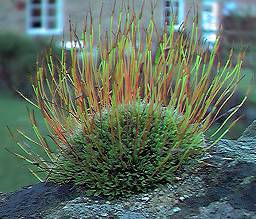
(210, 15)
(229, 8)
(210, 22)
(44, 17)
(173, 9)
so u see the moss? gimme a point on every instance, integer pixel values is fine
(112, 164)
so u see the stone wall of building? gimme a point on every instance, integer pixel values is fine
(12, 18)
(79, 8)
(13, 13)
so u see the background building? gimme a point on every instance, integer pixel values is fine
(39, 18)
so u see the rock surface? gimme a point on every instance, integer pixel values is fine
(221, 185)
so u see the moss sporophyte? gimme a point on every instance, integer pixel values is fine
(123, 122)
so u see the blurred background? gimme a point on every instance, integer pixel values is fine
(28, 27)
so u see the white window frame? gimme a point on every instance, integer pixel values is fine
(180, 17)
(229, 8)
(212, 16)
(44, 30)
(210, 20)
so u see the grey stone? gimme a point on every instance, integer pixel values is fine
(222, 210)
(181, 198)
(145, 198)
(250, 131)
(220, 184)
(176, 209)
(131, 215)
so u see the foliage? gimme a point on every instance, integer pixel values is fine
(17, 61)
(124, 162)
(125, 122)
(13, 113)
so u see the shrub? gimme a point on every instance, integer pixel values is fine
(125, 122)
(17, 61)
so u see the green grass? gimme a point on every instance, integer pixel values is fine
(13, 172)
(248, 81)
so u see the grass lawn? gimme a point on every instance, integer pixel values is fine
(13, 172)
(248, 82)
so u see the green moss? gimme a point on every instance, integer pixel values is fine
(113, 164)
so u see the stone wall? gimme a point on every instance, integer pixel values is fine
(13, 14)
(220, 183)
(80, 8)
(11, 18)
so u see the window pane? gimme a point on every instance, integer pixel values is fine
(176, 12)
(43, 16)
(51, 1)
(36, 24)
(167, 3)
(167, 13)
(171, 11)
(51, 24)
(51, 11)
(210, 16)
(36, 12)
(207, 8)
(176, 4)
(36, 1)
